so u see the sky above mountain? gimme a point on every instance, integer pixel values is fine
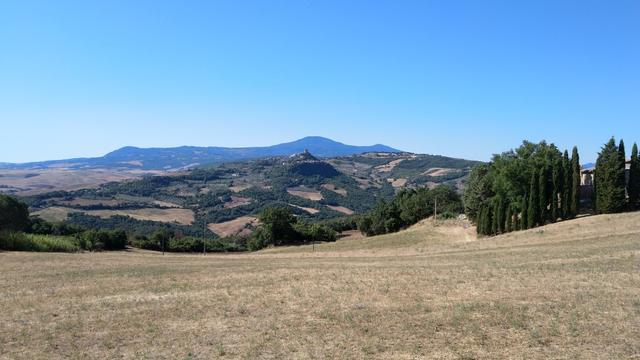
(458, 78)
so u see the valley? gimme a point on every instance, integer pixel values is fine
(314, 189)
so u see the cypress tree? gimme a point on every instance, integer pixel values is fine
(566, 189)
(480, 221)
(610, 180)
(542, 199)
(489, 222)
(508, 221)
(623, 162)
(633, 187)
(497, 216)
(557, 183)
(575, 183)
(523, 213)
(532, 211)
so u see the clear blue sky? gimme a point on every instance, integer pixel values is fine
(459, 78)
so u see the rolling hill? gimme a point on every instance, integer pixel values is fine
(177, 158)
(228, 196)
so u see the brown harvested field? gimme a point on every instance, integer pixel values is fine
(237, 201)
(397, 183)
(565, 291)
(90, 202)
(341, 209)
(305, 193)
(238, 188)
(332, 187)
(237, 226)
(171, 215)
(307, 209)
(30, 182)
(389, 166)
(438, 171)
(54, 213)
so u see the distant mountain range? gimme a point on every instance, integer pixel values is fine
(191, 156)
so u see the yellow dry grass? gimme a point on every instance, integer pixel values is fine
(341, 209)
(305, 193)
(438, 171)
(397, 183)
(171, 215)
(389, 166)
(307, 209)
(237, 226)
(565, 291)
(237, 201)
(335, 189)
(30, 182)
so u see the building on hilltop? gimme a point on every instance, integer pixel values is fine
(586, 181)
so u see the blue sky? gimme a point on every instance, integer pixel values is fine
(458, 78)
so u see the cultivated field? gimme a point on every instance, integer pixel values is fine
(36, 181)
(171, 215)
(565, 291)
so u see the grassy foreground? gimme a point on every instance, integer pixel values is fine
(568, 291)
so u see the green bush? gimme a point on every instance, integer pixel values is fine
(96, 240)
(17, 241)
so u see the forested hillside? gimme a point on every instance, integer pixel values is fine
(228, 197)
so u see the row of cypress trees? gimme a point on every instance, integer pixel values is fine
(550, 193)
(613, 192)
(536, 184)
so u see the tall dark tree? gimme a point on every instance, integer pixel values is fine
(533, 206)
(557, 184)
(488, 224)
(496, 227)
(633, 186)
(523, 213)
(609, 180)
(575, 183)
(566, 190)
(14, 214)
(480, 218)
(623, 162)
(508, 225)
(543, 197)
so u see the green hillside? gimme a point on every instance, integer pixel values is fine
(315, 189)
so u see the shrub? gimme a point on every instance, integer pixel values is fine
(17, 241)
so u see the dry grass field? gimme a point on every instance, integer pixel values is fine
(171, 215)
(565, 291)
(36, 181)
(305, 193)
(234, 227)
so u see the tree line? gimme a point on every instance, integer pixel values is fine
(537, 184)
(408, 207)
